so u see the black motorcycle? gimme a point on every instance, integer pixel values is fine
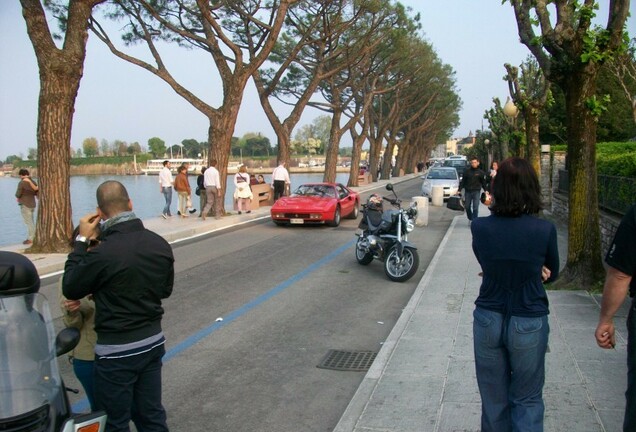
(383, 236)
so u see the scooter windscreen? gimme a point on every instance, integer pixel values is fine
(29, 376)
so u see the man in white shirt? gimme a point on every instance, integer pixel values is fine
(212, 184)
(165, 183)
(280, 179)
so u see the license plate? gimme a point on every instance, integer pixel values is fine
(296, 221)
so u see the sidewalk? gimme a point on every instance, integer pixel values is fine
(423, 378)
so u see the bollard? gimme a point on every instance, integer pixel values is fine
(422, 210)
(437, 196)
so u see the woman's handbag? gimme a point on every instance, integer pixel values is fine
(188, 202)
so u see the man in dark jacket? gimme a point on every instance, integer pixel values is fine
(128, 274)
(473, 181)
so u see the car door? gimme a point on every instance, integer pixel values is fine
(345, 199)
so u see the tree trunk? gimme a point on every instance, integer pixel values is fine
(220, 138)
(60, 74)
(358, 140)
(331, 152)
(283, 136)
(532, 137)
(55, 118)
(584, 262)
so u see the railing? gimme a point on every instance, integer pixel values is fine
(615, 194)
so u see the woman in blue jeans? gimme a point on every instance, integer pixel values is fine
(517, 252)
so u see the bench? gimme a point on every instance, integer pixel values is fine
(364, 179)
(263, 195)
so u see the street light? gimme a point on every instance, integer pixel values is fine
(487, 144)
(510, 109)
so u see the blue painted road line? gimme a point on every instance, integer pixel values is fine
(82, 405)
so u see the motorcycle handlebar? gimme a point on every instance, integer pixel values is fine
(392, 201)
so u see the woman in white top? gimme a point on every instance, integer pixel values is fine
(242, 192)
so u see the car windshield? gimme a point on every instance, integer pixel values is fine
(315, 190)
(442, 175)
(29, 377)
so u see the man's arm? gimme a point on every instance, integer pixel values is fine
(614, 293)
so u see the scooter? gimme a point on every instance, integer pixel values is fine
(33, 397)
(383, 236)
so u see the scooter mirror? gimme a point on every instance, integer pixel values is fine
(66, 340)
(389, 187)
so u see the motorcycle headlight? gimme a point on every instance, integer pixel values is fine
(410, 226)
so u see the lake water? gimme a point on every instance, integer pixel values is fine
(144, 191)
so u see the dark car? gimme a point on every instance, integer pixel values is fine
(459, 164)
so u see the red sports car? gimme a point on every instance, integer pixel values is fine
(317, 203)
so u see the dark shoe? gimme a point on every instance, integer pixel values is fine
(240, 212)
(193, 211)
(27, 242)
(249, 211)
(178, 213)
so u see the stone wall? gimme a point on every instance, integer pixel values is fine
(559, 204)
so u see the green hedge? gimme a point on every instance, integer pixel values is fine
(613, 158)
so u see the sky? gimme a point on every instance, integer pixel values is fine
(120, 101)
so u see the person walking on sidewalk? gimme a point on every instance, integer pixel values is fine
(128, 274)
(280, 180)
(165, 184)
(473, 181)
(517, 251)
(182, 186)
(620, 280)
(25, 194)
(203, 199)
(212, 183)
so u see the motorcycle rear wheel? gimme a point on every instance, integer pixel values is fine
(362, 257)
(401, 270)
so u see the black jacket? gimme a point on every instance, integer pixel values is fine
(473, 179)
(128, 273)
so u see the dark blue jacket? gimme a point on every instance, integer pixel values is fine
(511, 252)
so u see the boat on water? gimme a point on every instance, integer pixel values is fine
(153, 166)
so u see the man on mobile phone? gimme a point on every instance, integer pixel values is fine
(128, 273)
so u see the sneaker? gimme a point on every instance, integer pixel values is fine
(192, 211)
(163, 215)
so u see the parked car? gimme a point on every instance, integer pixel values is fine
(446, 177)
(316, 203)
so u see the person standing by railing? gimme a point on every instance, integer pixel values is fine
(25, 194)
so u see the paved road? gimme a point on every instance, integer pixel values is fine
(286, 296)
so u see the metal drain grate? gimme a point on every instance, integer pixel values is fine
(356, 361)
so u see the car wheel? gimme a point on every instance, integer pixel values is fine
(400, 270)
(336, 218)
(356, 211)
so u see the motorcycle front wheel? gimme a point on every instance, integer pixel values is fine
(363, 257)
(400, 270)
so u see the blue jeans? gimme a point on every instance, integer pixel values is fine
(167, 194)
(83, 370)
(510, 367)
(472, 203)
(629, 423)
(129, 388)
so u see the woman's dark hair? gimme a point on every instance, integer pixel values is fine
(516, 189)
(23, 171)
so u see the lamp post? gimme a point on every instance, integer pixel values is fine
(511, 112)
(487, 144)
